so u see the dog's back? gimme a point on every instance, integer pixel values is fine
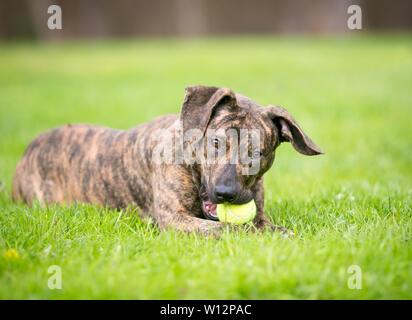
(87, 163)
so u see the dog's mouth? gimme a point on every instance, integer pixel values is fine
(208, 207)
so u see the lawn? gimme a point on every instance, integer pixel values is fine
(352, 94)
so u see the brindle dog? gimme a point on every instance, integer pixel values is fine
(103, 166)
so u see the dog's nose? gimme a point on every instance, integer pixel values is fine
(225, 193)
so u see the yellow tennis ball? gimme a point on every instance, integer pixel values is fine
(235, 213)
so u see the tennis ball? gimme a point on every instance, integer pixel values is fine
(235, 213)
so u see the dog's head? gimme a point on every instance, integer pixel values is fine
(238, 142)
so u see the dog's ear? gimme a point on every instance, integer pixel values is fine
(290, 131)
(199, 104)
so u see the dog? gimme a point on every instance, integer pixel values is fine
(116, 168)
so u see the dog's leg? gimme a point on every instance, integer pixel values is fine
(261, 221)
(176, 203)
(180, 222)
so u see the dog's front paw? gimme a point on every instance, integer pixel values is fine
(284, 231)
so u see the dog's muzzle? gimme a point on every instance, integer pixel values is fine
(208, 207)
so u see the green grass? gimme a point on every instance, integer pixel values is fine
(352, 206)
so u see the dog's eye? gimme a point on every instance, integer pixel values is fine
(257, 154)
(216, 143)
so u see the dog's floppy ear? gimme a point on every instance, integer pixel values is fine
(290, 131)
(199, 104)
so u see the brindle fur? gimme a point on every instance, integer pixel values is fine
(103, 166)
